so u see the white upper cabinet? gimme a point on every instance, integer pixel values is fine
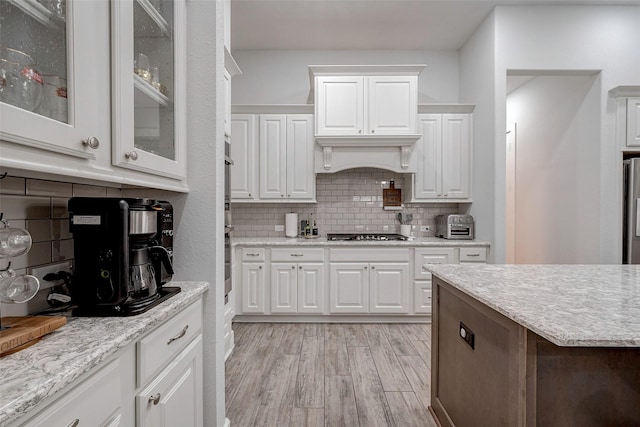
(244, 153)
(633, 122)
(149, 86)
(273, 156)
(444, 159)
(392, 105)
(301, 179)
(339, 105)
(54, 78)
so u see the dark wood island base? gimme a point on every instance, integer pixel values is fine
(502, 374)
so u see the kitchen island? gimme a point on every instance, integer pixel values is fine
(527, 345)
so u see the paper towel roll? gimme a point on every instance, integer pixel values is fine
(291, 225)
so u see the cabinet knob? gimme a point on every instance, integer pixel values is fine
(74, 423)
(293, 267)
(250, 195)
(365, 267)
(155, 399)
(281, 195)
(133, 155)
(373, 131)
(360, 131)
(260, 267)
(91, 142)
(373, 267)
(300, 267)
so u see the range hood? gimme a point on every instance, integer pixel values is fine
(365, 116)
(393, 153)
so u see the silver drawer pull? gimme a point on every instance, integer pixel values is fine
(180, 335)
(473, 254)
(155, 399)
(74, 423)
(297, 254)
(253, 254)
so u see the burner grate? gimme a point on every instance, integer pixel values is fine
(377, 237)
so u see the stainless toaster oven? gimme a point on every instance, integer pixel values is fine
(455, 227)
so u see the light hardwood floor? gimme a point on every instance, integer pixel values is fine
(339, 374)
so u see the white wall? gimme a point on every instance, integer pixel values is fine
(282, 76)
(550, 38)
(557, 180)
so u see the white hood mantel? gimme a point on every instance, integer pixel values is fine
(391, 152)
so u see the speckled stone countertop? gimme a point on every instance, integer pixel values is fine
(322, 241)
(37, 372)
(569, 305)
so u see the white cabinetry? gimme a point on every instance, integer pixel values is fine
(366, 105)
(97, 402)
(57, 94)
(149, 86)
(633, 122)
(422, 278)
(444, 159)
(286, 157)
(253, 281)
(369, 281)
(297, 280)
(244, 153)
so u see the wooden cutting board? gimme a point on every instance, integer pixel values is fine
(21, 332)
(391, 196)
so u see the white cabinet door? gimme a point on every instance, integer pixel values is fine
(456, 161)
(284, 287)
(301, 178)
(422, 297)
(244, 153)
(149, 86)
(427, 179)
(633, 122)
(311, 287)
(273, 156)
(55, 89)
(339, 105)
(349, 288)
(388, 289)
(392, 103)
(444, 158)
(253, 287)
(425, 256)
(227, 103)
(174, 397)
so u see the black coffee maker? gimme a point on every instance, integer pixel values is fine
(123, 250)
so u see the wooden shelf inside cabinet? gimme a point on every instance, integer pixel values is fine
(152, 94)
(39, 12)
(155, 16)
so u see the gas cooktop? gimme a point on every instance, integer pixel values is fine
(365, 236)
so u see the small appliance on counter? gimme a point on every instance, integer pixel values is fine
(123, 251)
(455, 227)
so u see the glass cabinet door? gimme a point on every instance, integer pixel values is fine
(42, 48)
(149, 89)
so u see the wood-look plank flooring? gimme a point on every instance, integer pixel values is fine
(315, 374)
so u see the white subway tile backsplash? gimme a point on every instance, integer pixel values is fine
(12, 185)
(60, 229)
(61, 250)
(38, 187)
(82, 190)
(59, 208)
(24, 207)
(39, 254)
(40, 230)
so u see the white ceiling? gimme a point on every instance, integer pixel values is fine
(365, 24)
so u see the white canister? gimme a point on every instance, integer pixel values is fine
(405, 229)
(291, 224)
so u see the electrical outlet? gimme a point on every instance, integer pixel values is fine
(425, 228)
(279, 227)
(40, 272)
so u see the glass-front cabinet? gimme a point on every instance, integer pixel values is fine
(148, 66)
(54, 87)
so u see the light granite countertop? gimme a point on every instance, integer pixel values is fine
(37, 372)
(569, 305)
(322, 241)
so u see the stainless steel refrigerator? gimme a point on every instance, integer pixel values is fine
(631, 220)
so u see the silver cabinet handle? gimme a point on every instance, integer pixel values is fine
(91, 142)
(155, 399)
(473, 254)
(74, 423)
(180, 335)
(253, 254)
(297, 254)
(133, 155)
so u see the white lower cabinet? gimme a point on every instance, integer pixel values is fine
(174, 397)
(388, 290)
(95, 402)
(422, 297)
(297, 288)
(349, 288)
(253, 287)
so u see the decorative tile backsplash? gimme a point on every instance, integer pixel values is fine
(40, 206)
(348, 201)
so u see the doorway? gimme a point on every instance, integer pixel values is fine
(553, 167)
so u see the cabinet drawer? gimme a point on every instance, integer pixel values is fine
(252, 254)
(94, 402)
(369, 255)
(473, 255)
(297, 254)
(159, 347)
(425, 256)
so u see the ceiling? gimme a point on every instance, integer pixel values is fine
(365, 24)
